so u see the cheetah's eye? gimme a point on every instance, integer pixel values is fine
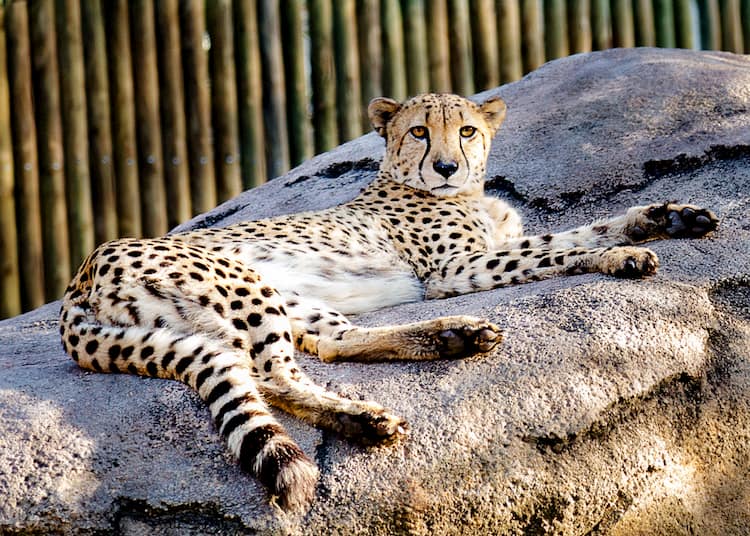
(419, 132)
(467, 131)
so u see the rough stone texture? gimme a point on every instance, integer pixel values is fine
(614, 407)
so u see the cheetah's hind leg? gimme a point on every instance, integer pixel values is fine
(321, 331)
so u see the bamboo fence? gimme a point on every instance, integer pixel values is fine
(125, 118)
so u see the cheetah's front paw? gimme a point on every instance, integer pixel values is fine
(671, 220)
(629, 262)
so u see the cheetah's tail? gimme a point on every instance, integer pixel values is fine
(222, 380)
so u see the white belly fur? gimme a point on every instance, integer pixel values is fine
(360, 284)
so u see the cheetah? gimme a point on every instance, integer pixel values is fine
(223, 309)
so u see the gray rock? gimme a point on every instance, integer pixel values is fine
(614, 407)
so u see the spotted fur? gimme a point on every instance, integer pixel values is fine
(222, 310)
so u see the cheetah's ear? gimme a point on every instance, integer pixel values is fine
(380, 111)
(494, 112)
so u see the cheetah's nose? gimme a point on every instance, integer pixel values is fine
(446, 169)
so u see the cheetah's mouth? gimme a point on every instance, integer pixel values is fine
(444, 189)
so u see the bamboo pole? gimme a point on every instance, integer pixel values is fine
(250, 94)
(622, 23)
(459, 29)
(645, 32)
(509, 29)
(198, 106)
(555, 29)
(56, 212)
(172, 102)
(394, 73)
(224, 100)
(100, 130)
(710, 24)
(745, 15)
(601, 24)
(25, 156)
(415, 41)
(298, 95)
(370, 55)
(75, 132)
(664, 23)
(150, 168)
(579, 26)
(125, 151)
(274, 89)
(731, 29)
(484, 22)
(684, 23)
(323, 85)
(347, 70)
(10, 282)
(533, 34)
(439, 49)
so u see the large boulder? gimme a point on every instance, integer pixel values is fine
(613, 406)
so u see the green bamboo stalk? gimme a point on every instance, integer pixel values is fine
(601, 25)
(10, 282)
(128, 197)
(415, 41)
(274, 89)
(664, 23)
(370, 55)
(556, 29)
(710, 24)
(299, 126)
(75, 132)
(684, 23)
(323, 83)
(459, 29)
(56, 212)
(622, 23)
(100, 130)
(394, 70)
(439, 49)
(509, 29)
(484, 30)
(731, 29)
(347, 70)
(579, 26)
(25, 156)
(645, 32)
(250, 94)
(172, 102)
(224, 85)
(532, 34)
(198, 106)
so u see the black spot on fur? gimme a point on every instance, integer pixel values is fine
(511, 265)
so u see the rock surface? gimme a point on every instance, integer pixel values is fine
(613, 407)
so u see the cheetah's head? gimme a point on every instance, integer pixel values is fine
(437, 143)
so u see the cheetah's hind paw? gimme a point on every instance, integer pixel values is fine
(476, 337)
(371, 427)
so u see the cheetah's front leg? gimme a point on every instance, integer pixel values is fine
(637, 225)
(467, 273)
